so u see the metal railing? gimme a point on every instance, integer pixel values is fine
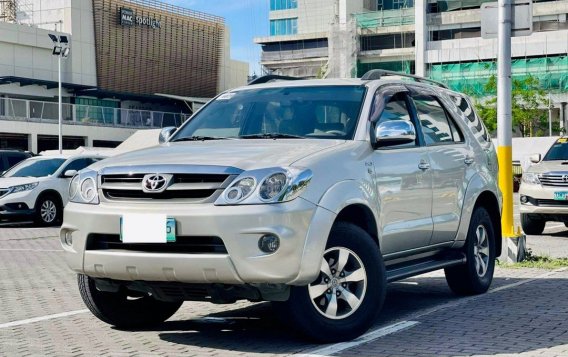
(39, 111)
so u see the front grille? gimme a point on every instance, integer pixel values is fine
(553, 203)
(554, 179)
(183, 244)
(188, 187)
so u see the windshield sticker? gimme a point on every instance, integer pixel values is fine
(562, 140)
(226, 96)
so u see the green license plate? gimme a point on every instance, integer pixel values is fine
(171, 230)
(561, 196)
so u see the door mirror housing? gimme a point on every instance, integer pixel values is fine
(535, 158)
(394, 132)
(69, 173)
(166, 134)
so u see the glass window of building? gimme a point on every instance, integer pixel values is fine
(283, 4)
(284, 27)
(394, 4)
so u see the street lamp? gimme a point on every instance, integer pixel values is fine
(61, 50)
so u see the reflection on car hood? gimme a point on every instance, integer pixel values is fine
(548, 166)
(6, 182)
(243, 154)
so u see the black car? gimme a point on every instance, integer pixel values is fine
(10, 157)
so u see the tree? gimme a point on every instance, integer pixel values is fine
(527, 102)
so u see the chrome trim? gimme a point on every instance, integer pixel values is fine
(170, 169)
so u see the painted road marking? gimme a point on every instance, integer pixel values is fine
(42, 318)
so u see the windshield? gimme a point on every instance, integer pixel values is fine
(558, 150)
(327, 112)
(35, 168)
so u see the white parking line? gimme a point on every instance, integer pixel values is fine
(42, 318)
(373, 335)
(390, 329)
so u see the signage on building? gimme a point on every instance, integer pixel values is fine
(128, 18)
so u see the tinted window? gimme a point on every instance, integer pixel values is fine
(396, 109)
(35, 168)
(313, 112)
(473, 121)
(13, 159)
(437, 128)
(558, 150)
(79, 164)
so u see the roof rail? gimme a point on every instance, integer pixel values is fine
(379, 73)
(273, 77)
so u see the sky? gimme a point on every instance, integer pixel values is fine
(246, 19)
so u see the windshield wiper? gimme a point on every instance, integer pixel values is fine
(271, 136)
(200, 138)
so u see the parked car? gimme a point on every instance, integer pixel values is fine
(312, 194)
(10, 157)
(37, 188)
(544, 189)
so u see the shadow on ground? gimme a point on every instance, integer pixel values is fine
(538, 305)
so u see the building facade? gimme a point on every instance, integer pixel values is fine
(124, 55)
(439, 39)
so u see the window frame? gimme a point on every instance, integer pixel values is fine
(449, 118)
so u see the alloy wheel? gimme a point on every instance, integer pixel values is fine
(340, 287)
(48, 211)
(481, 250)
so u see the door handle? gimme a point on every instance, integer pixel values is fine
(468, 160)
(423, 165)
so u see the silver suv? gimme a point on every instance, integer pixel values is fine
(311, 194)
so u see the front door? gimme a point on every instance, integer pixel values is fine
(404, 185)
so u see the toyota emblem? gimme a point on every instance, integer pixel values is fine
(156, 183)
(565, 178)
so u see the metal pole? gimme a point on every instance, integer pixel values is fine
(504, 118)
(60, 105)
(549, 115)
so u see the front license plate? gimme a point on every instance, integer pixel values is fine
(147, 228)
(561, 196)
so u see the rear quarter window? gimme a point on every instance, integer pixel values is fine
(464, 106)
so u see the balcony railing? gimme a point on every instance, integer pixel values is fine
(47, 112)
(384, 18)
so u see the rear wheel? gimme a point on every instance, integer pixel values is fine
(348, 294)
(532, 225)
(476, 275)
(123, 309)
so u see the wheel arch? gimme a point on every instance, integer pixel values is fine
(487, 200)
(49, 192)
(361, 216)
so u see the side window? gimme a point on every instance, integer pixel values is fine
(473, 121)
(397, 109)
(14, 159)
(79, 164)
(437, 127)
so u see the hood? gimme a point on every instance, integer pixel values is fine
(242, 154)
(6, 182)
(548, 166)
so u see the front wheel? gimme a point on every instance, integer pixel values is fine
(348, 293)
(476, 275)
(122, 309)
(49, 211)
(531, 225)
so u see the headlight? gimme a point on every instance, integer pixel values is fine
(83, 187)
(21, 188)
(530, 178)
(276, 185)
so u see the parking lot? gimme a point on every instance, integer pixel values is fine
(41, 313)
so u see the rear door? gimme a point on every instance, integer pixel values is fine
(450, 158)
(403, 181)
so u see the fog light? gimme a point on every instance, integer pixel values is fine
(269, 243)
(68, 238)
(524, 199)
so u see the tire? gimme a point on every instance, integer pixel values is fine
(475, 276)
(532, 226)
(121, 310)
(306, 308)
(48, 210)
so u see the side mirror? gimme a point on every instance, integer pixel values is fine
(69, 173)
(394, 132)
(535, 158)
(166, 133)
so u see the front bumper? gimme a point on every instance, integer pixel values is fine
(303, 229)
(540, 200)
(17, 205)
